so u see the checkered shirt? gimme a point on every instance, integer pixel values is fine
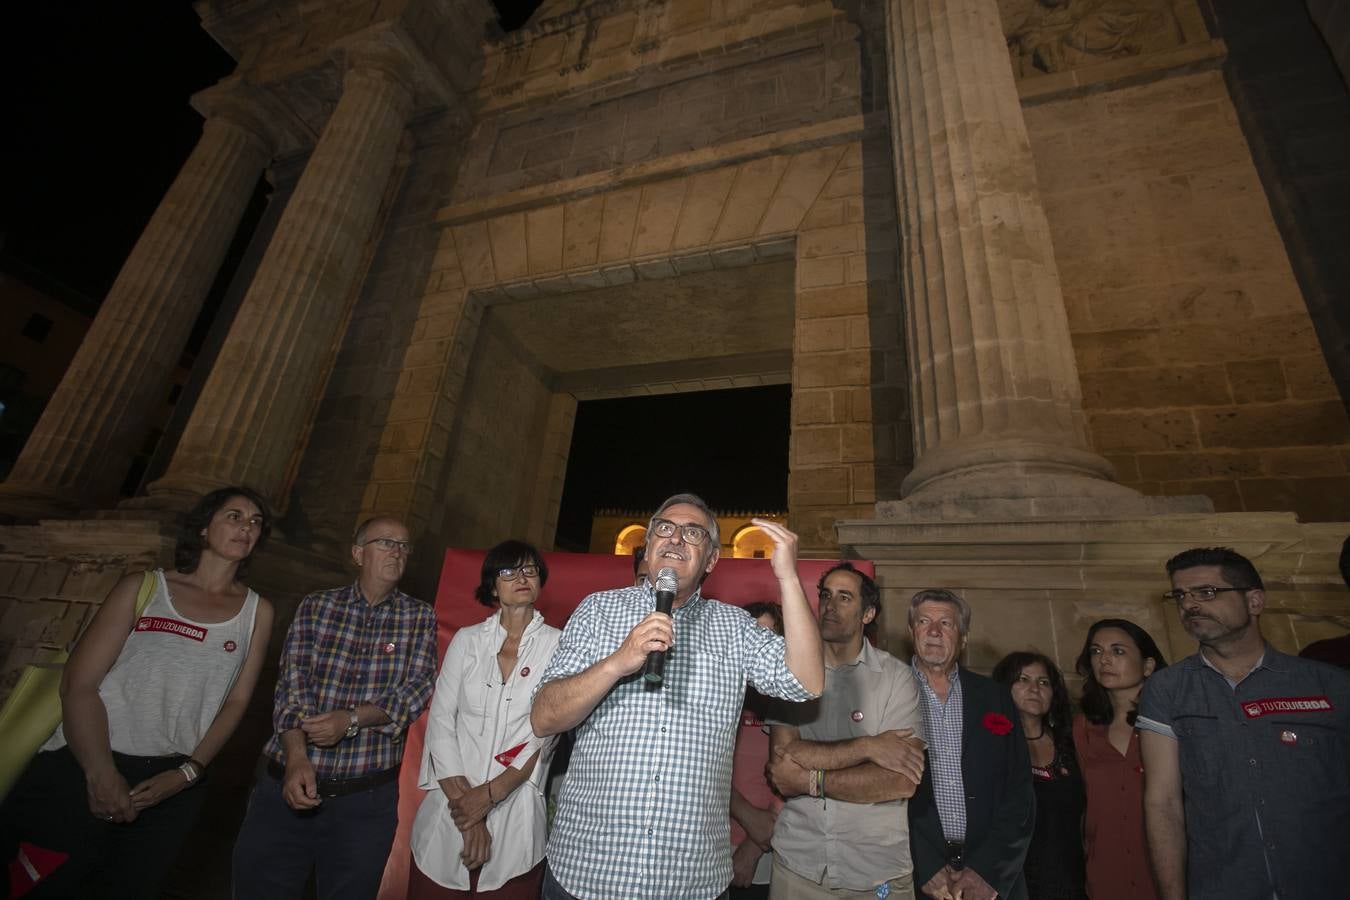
(943, 724)
(644, 812)
(340, 652)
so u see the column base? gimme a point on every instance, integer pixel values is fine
(1039, 583)
(174, 494)
(1023, 479)
(28, 502)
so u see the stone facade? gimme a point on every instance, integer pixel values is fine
(1018, 263)
(1065, 295)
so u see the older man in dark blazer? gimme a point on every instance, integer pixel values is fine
(970, 820)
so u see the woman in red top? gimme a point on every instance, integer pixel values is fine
(1117, 656)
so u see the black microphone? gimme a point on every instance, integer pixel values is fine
(666, 585)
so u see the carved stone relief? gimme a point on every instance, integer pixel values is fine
(1046, 36)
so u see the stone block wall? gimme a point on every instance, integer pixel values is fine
(1200, 367)
(851, 444)
(1038, 586)
(495, 446)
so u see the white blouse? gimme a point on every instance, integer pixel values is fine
(477, 727)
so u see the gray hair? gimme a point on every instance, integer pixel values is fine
(940, 595)
(691, 500)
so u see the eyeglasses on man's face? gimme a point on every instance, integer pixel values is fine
(691, 534)
(511, 573)
(389, 545)
(1204, 593)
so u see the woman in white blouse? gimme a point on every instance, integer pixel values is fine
(481, 828)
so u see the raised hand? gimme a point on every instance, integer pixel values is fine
(784, 559)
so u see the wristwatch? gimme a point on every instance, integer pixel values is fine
(355, 725)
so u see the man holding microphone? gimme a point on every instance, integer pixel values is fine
(644, 812)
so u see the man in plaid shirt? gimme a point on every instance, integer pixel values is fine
(644, 812)
(356, 670)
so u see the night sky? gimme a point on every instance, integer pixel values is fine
(97, 124)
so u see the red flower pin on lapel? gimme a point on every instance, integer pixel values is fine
(997, 723)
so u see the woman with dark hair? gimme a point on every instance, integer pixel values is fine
(1054, 863)
(153, 689)
(1116, 658)
(481, 827)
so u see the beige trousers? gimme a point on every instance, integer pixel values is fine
(788, 885)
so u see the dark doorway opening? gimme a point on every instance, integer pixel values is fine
(728, 446)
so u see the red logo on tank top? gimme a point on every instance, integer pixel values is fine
(1255, 709)
(231, 646)
(171, 626)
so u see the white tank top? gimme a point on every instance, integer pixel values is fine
(171, 678)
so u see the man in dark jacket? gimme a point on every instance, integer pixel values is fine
(970, 820)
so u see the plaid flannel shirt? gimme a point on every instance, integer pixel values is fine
(341, 652)
(644, 812)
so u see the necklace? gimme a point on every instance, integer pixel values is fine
(1037, 737)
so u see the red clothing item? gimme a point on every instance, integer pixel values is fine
(747, 769)
(1117, 857)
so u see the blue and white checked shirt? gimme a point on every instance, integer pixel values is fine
(944, 723)
(644, 812)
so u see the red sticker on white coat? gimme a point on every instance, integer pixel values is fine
(525, 672)
(857, 715)
(1255, 709)
(506, 756)
(231, 646)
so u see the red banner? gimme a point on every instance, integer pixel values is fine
(571, 577)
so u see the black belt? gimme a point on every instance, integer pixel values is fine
(339, 787)
(956, 855)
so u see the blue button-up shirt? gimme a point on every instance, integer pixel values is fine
(644, 811)
(1265, 774)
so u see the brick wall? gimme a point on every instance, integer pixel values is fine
(1200, 367)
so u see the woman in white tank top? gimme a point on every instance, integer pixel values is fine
(148, 700)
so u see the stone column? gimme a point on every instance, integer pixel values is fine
(253, 411)
(995, 393)
(84, 442)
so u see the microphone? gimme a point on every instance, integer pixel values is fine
(666, 585)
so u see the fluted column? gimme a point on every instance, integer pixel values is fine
(253, 410)
(995, 393)
(85, 440)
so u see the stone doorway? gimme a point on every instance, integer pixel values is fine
(533, 360)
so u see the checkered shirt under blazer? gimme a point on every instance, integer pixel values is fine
(943, 724)
(644, 812)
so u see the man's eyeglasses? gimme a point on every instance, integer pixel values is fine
(692, 534)
(511, 573)
(389, 545)
(1204, 593)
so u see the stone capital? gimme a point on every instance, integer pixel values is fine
(389, 50)
(256, 111)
